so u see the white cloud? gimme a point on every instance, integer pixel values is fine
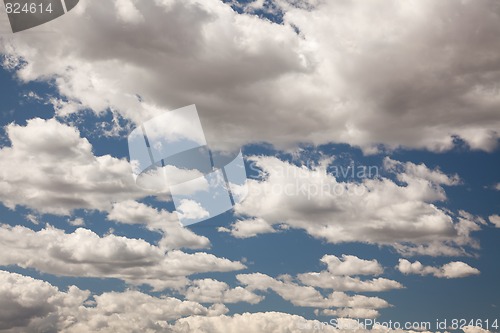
(174, 234)
(51, 169)
(339, 85)
(85, 254)
(213, 291)
(25, 301)
(495, 219)
(127, 12)
(190, 209)
(307, 296)
(30, 305)
(274, 322)
(77, 222)
(132, 311)
(351, 313)
(351, 265)
(326, 280)
(337, 276)
(32, 218)
(452, 270)
(411, 171)
(378, 211)
(474, 329)
(248, 228)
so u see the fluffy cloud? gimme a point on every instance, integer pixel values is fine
(452, 270)
(30, 305)
(474, 329)
(351, 313)
(274, 322)
(213, 291)
(132, 311)
(51, 169)
(337, 276)
(495, 219)
(326, 280)
(248, 228)
(309, 79)
(174, 234)
(351, 265)
(379, 210)
(307, 296)
(190, 209)
(83, 253)
(28, 302)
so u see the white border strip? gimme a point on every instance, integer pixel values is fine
(64, 6)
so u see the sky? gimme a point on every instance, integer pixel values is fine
(369, 132)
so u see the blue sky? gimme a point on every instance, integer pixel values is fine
(252, 69)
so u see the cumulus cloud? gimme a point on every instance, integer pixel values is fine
(452, 270)
(326, 280)
(248, 228)
(190, 209)
(174, 235)
(31, 305)
(351, 265)
(85, 254)
(213, 291)
(495, 220)
(401, 214)
(339, 85)
(474, 329)
(274, 322)
(351, 313)
(26, 301)
(51, 169)
(307, 296)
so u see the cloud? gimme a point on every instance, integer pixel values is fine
(213, 291)
(351, 265)
(127, 12)
(452, 270)
(190, 209)
(31, 305)
(409, 171)
(248, 228)
(51, 169)
(339, 85)
(474, 329)
(274, 322)
(174, 235)
(401, 214)
(306, 296)
(133, 311)
(24, 299)
(84, 254)
(495, 219)
(326, 280)
(351, 313)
